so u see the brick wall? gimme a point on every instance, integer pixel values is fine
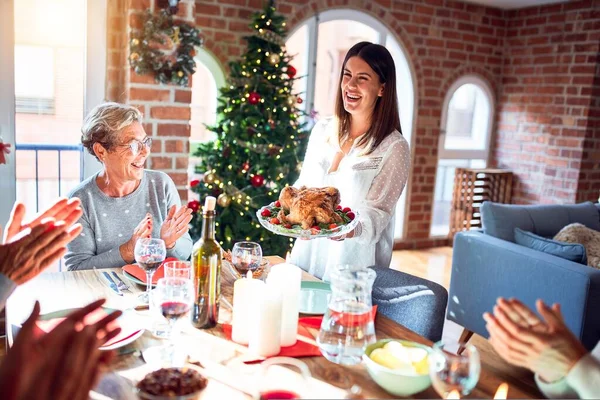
(545, 131)
(444, 40)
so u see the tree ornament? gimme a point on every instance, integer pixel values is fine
(254, 98)
(299, 100)
(223, 200)
(194, 183)
(271, 123)
(210, 177)
(147, 55)
(291, 71)
(246, 166)
(226, 152)
(194, 205)
(274, 58)
(257, 180)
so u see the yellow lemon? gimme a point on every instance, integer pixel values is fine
(386, 359)
(418, 358)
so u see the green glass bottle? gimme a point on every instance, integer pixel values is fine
(206, 262)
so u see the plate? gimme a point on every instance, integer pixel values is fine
(296, 231)
(133, 279)
(128, 323)
(314, 297)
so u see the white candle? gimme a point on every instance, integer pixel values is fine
(265, 332)
(287, 279)
(245, 296)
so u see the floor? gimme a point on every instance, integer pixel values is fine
(436, 265)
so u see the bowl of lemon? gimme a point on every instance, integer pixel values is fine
(401, 367)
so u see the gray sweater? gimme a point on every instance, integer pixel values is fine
(108, 222)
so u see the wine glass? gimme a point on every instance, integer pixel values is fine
(175, 297)
(149, 254)
(454, 368)
(246, 256)
(276, 381)
(178, 269)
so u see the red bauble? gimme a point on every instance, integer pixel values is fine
(246, 166)
(254, 98)
(257, 180)
(291, 71)
(194, 183)
(299, 100)
(194, 205)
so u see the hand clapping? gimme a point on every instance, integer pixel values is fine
(175, 225)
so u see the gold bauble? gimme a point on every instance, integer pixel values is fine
(292, 100)
(274, 58)
(210, 177)
(135, 42)
(180, 74)
(223, 200)
(134, 56)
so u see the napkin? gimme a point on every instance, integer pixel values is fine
(300, 349)
(136, 271)
(126, 333)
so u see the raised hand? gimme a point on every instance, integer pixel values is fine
(66, 210)
(142, 230)
(29, 251)
(175, 225)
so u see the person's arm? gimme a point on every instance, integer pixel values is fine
(584, 377)
(313, 171)
(81, 252)
(183, 246)
(7, 286)
(375, 213)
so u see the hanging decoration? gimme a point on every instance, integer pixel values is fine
(253, 98)
(165, 49)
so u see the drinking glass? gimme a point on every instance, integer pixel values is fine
(178, 269)
(454, 367)
(277, 381)
(149, 254)
(348, 327)
(246, 256)
(175, 297)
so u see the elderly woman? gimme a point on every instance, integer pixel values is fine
(124, 202)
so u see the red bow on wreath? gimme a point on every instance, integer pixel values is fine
(4, 150)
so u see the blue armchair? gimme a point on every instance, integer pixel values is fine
(489, 264)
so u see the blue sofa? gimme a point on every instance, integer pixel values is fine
(489, 264)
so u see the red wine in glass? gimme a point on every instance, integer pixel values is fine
(278, 395)
(150, 264)
(174, 310)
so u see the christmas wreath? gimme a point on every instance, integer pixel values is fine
(152, 49)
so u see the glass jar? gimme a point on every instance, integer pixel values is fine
(348, 325)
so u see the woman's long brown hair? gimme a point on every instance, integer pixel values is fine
(385, 118)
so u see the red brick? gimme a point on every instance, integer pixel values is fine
(161, 163)
(149, 94)
(173, 130)
(176, 146)
(183, 96)
(160, 112)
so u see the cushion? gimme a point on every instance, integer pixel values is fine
(568, 251)
(500, 220)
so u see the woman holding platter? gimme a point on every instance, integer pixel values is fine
(361, 152)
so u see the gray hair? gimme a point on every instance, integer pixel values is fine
(104, 122)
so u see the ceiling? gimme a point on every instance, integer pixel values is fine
(512, 4)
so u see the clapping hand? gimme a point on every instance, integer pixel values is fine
(175, 225)
(62, 364)
(142, 230)
(29, 248)
(546, 347)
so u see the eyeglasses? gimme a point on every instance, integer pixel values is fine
(137, 146)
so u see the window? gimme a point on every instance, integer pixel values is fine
(464, 142)
(319, 46)
(34, 79)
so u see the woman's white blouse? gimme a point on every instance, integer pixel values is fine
(370, 184)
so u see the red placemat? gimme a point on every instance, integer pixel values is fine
(135, 270)
(300, 349)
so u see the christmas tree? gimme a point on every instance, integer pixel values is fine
(260, 139)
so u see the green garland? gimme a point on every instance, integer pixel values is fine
(158, 31)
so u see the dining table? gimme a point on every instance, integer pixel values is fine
(222, 359)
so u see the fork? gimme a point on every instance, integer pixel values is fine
(120, 284)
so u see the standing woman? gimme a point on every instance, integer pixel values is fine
(124, 201)
(361, 152)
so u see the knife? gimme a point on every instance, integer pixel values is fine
(120, 281)
(112, 283)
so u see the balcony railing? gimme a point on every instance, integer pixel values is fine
(47, 149)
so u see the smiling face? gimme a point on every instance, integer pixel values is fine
(121, 161)
(360, 87)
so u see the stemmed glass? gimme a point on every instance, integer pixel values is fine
(246, 256)
(276, 381)
(175, 297)
(149, 254)
(178, 269)
(454, 368)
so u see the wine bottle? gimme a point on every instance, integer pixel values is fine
(206, 261)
